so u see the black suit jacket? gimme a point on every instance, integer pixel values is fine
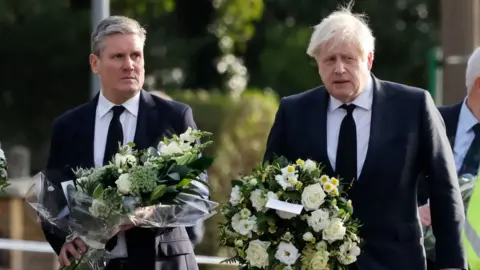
(407, 138)
(72, 146)
(450, 115)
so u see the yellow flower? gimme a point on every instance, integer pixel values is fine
(334, 201)
(300, 161)
(328, 187)
(324, 179)
(334, 181)
(290, 169)
(335, 192)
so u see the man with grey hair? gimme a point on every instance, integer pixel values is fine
(462, 122)
(378, 136)
(88, 136)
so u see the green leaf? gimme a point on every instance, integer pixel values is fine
(185, 182)
(186, 159)
(316, 173)
(158, 192)
(237, 183)
(182, 170)
(293, 196)
(97, 193)
(174, 176)
(201, 163)
(282, 161)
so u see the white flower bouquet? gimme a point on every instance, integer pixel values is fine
(289, 216)
(151, 188)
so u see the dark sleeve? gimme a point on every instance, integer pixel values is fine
(422, 197)
(276, 137)
(446, 204)
(55, 164)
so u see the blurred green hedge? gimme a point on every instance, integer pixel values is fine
(240, 128)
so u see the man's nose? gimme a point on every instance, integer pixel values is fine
(129, 63)
(339, 67)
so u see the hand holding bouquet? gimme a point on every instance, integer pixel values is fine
(290, 216)
(152, 188)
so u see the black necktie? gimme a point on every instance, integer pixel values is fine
(115, 135)
(346, 161)
(472, 158)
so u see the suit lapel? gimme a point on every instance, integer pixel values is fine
(318, 132)
(147, 122)
(379, 126)
(86, 131)
(450, 117)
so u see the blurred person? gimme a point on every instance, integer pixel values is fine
(379, 136)
(88, 136)
(462, 122)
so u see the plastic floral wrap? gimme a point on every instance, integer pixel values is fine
(153, 188)
(467, 184)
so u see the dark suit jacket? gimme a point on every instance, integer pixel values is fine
(72, 146)
(407, 137)
(450, 115)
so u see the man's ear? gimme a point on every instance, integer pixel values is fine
(370, 60)
(476, 84)
(94, 63)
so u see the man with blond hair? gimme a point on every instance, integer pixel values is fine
(122, 112)
(378, 136)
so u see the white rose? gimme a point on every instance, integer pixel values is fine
(257, 254)
(124, 184)
(318, 220)
(307, 237)
(313, 197)
(253, 182)
(334, 230)
(309, 165)
(319, 260)
(2, 154)
(169, 149)
(287, 253)
(235, 196)
(258, 200)
(120, 159)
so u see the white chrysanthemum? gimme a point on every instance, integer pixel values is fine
(243, 224)
(349, 252)
(318, 220)
(285, 180)
(313, 197)
(124, 185)
(334, 230)
(257, 254)
(235, 196)
(286, 253)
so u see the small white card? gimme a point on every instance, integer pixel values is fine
(284, 206)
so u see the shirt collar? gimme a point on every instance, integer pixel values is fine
(364, 100)
(105, 105)
(467, 118)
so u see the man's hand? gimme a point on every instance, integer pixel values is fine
(424, 212)
(74, 248)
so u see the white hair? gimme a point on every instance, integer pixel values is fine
(473, 69)
(342, 26)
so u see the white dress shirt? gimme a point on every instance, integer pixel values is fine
(362, 116)
(464, 135)
(128, 119)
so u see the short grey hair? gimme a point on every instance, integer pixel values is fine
(115, 25)
(342, 26)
